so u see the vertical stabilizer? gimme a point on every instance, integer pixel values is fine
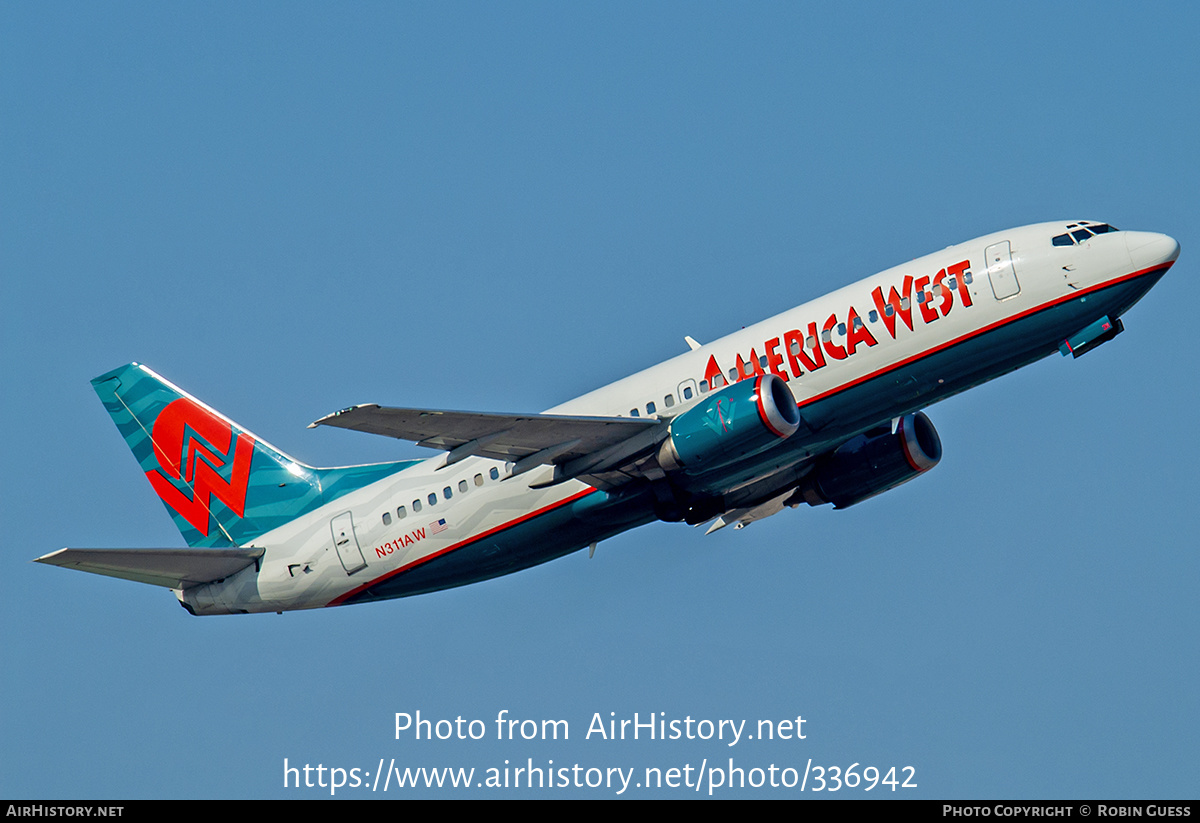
(222, 485)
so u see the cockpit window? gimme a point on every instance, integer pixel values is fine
(1081, 232)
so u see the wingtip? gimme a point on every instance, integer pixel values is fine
(324, 421)
(328, 418)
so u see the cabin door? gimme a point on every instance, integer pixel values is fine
(346, 543)
(1000, 270)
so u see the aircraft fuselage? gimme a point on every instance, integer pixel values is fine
(853, 361)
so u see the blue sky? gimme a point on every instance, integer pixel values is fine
(291, 208)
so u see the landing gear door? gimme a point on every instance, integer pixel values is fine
(347, 544)
(1000, 271)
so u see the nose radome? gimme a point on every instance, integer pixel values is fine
(1148, 249)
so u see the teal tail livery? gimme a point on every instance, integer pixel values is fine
(222, 486)
(821, 404)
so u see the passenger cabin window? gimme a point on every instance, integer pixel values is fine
(462, 485)
(446, 493)
(401, 512)
(650, 407)
(668, 401)
(634, 413)
(687, 392)
(494, 473)
(416, 506)
(704, 387)
(387, 518)
(479, 480)
(432, 498)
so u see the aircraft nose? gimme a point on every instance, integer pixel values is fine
(1148, 249)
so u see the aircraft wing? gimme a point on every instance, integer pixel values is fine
(172, 568)
(575, 445)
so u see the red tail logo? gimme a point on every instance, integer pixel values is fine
(196, 446)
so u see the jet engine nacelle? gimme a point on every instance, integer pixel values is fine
(872, 463)
(727, 425)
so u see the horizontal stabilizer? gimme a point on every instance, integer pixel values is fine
(172, 568)
(508, 437)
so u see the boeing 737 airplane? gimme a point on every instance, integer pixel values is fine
(820, 404)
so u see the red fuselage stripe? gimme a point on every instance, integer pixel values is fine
(342, 598)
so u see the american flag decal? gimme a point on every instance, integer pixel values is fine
(437, 526)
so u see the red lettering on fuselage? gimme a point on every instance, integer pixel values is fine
(899, 304)
(956, 271)
(712, 372)
(751, 369)
(401, 542)
(925, 300)
(774, 359)
(947, 293)
(807, 353)
(793, 344)
(833, 349)
(857, 332)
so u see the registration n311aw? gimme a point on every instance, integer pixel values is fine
(820, 404)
